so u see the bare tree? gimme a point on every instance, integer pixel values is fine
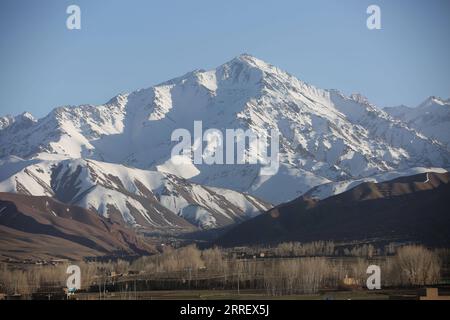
(418, 265)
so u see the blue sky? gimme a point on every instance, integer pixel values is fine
(127, 45)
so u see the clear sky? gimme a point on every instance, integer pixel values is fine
(127, 45)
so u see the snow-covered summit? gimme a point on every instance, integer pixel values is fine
(431, 118)
(325, 136)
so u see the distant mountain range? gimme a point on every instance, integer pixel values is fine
(431, 118)
(115, 159)
(325, 135)
(406, 209)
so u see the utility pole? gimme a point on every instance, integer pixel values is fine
(190, 277)
(238, 281)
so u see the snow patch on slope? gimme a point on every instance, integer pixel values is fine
(333, 188)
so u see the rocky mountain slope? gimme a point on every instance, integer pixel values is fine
(413, 208)
(42, 228)
(146, 199)
(326, 190)
(432, 118)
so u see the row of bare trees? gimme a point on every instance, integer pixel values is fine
(327, 249)
(29, 279)
(324, 249)
(412, 266)
(26, 281)
(292, 272)
(297, 249)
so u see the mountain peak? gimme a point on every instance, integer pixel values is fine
(434, 100)
(324, 135)
(247, 57)
(6, 121)
(23, 118)
(358, 97)
(27, 116)
(250, 60)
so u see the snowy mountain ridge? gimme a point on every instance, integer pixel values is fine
(325, 136)
(431, 117)
(147, 199)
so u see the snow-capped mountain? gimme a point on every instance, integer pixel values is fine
(147, 199)
(18, 123)
(325, 136)
(432, 118)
